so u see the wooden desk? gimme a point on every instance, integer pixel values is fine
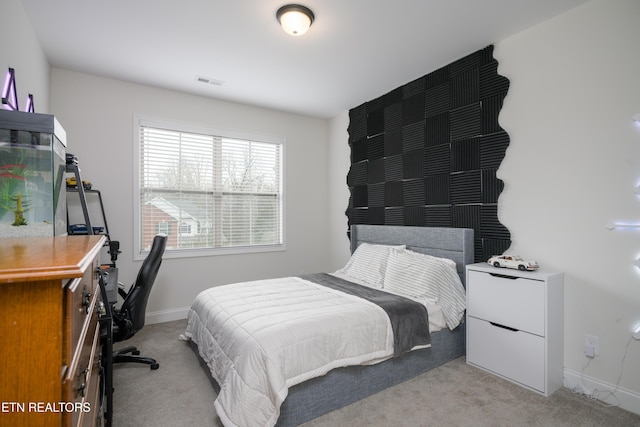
(49, 331)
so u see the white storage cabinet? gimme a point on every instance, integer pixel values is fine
(515, 325)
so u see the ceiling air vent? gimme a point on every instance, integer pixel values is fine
(209, 81)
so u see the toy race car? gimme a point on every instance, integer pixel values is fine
(512, 261)
(71, 183)
(81, 229)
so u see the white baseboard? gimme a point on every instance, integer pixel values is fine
(166, 315)
(626, 399)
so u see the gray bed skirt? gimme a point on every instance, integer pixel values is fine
(343, 386)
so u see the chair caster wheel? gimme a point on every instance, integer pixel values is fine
(155, 366)
(136, 352)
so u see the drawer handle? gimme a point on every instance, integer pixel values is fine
(503, 276)
(504, 327)
(82, 388)
(86, 301)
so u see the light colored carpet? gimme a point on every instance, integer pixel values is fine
(455, 394)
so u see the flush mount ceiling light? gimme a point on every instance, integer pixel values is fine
(295, 19)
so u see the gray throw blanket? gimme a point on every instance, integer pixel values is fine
(409, 319)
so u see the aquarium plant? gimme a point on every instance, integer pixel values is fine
(12, 175)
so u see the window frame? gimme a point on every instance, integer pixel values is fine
(139, 251)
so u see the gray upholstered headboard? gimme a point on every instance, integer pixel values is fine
(452, 243)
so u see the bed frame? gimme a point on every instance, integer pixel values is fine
(343, 386)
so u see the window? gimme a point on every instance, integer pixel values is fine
(163, 227)
(185, 228)
(208, 191)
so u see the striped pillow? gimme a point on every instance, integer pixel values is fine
(368, 263)
(423, 277)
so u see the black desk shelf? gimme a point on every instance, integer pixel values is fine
(83, 202)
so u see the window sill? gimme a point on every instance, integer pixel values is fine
(205, 252)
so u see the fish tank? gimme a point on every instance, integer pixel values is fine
(32, 175)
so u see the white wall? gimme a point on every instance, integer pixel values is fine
(340, 161)
(571, 168)
(98, 115)
(21, 50)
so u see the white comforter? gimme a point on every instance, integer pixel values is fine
(295, 330)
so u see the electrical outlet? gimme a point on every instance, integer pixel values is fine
(591, 345)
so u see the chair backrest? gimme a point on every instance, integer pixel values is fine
(135, 304)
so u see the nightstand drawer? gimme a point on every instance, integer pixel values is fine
(516, 355)
(515, 302)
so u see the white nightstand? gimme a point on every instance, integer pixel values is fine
(515, 325)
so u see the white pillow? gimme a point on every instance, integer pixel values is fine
(427, 278)
(448, 261)
(368, 264)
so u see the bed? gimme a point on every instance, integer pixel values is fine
(380, 361)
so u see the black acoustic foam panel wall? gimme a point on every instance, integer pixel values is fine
(426, 153)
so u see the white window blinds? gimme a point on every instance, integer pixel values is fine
(208, 191)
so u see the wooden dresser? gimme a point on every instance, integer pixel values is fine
(49, 331)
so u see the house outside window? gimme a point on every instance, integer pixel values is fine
(209, 191)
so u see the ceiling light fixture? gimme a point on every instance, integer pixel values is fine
(295, 19)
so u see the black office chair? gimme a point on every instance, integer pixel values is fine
(129, 319)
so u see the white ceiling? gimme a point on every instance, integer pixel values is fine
(355, 51)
